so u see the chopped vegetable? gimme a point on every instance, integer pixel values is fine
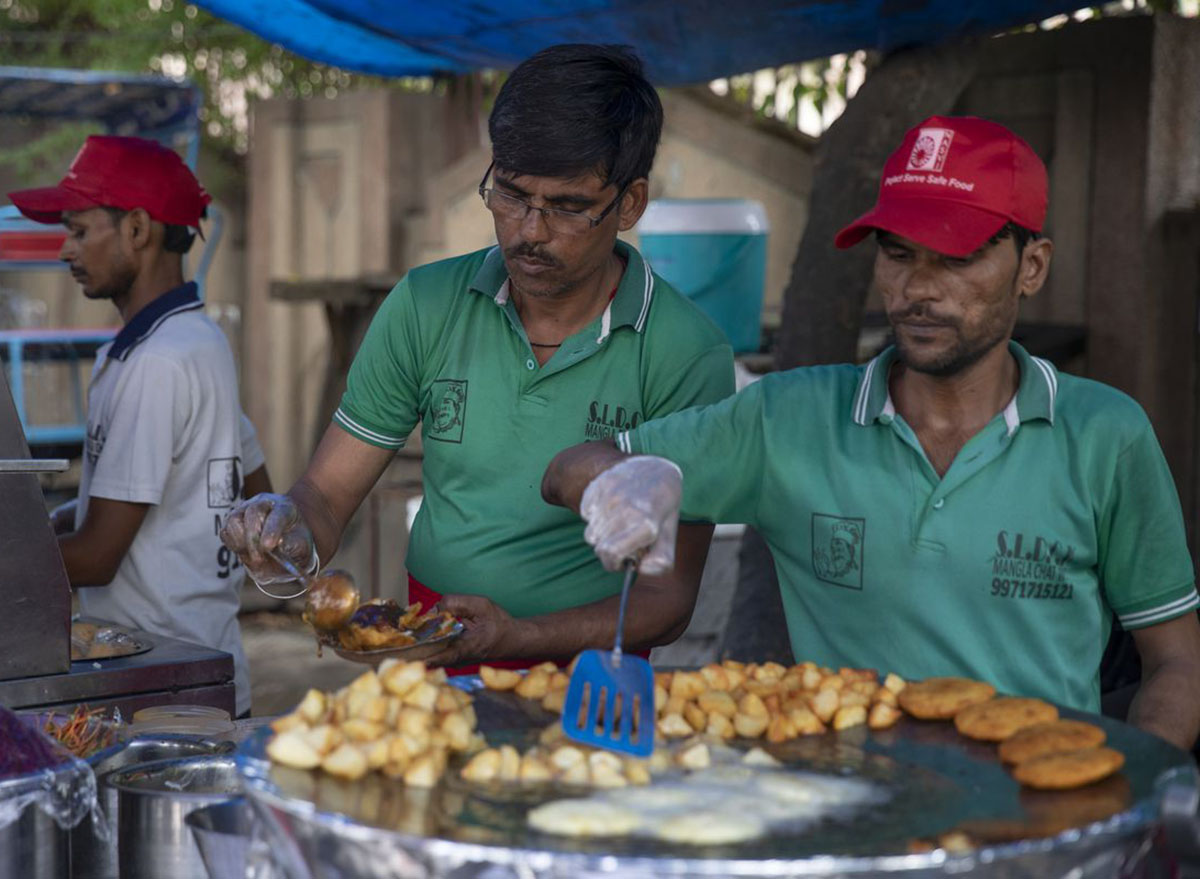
(83, 733)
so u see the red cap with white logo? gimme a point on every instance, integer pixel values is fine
(955, 182)
(124, 173)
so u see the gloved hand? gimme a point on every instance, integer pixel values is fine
(266, 524)
(633, 508)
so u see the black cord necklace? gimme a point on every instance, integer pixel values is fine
(545, 344)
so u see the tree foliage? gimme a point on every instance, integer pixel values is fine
(231, 65)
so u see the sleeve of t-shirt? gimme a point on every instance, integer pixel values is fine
(704, 378)
(380, 406)
(252, 453)
(148, 409)
(1144, 561)
(719, 449)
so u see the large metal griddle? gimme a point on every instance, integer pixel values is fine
(938, 782)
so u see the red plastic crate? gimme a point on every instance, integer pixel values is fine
(28, 246)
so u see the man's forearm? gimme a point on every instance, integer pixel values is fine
(84, 565)
(325, 527)
(652, 618)
(572, 469)
(1167, 704)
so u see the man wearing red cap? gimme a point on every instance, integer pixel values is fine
(1002, 513)
(167, 449)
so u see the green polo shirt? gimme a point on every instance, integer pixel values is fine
(1057, 515)
(447, 349)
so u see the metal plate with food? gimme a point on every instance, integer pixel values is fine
(372, 631)
(96, 639)
(426, 639)
(915, 786)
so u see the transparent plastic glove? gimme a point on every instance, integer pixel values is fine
(632, 511)
(268, 524)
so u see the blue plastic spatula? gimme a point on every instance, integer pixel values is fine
(610, 700)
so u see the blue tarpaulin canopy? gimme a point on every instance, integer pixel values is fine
(681, 41)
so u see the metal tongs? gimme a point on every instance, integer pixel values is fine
(305, 580)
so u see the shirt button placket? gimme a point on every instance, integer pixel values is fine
(939, 503)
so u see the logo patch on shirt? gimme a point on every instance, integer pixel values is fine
(447, 410)
(607, 419)
(224, 482)
(1031, 566)
(94, 444)
(837, 549)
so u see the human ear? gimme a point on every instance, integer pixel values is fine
(1035, 266)
(633, 204)
(138, 228)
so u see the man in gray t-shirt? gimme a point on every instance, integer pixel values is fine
(168, 451)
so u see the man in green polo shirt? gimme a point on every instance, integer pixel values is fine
(955, 506)
(560, 334)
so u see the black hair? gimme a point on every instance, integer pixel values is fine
(1019, 234)
(176, 239)
(577, 108)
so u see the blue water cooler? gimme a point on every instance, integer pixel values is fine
(714, 251)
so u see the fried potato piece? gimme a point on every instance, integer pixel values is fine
(483, 767)
(673, 726)
(498, 678)
(291, 749)
(346, 761)
(555, 700)
(312, 707)
(848, 716)
(533, 769)
(695, 756)
(424, 771)
(287, 722)
(695, 716)
(882, 715)
(534, 685)
(717, 702)
(399, 677)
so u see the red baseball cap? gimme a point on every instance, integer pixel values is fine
(124, 173)
(955, 182)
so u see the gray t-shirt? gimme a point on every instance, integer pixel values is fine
(165, 428)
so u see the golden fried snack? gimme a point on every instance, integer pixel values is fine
(997, 719)
(1068, 769)
(331, 601)
(376, 625)
(942, 698)
(1050, 738)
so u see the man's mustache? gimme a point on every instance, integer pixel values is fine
(531, 252)
(919, 313)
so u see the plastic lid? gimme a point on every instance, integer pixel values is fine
(208, 727)
(701, 215)
(156, 712)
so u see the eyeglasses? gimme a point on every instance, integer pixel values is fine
(510, 207)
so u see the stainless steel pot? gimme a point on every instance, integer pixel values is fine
(222, 833)
(93, 843)
(33, 847)
(153, 801)
(33, 844)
